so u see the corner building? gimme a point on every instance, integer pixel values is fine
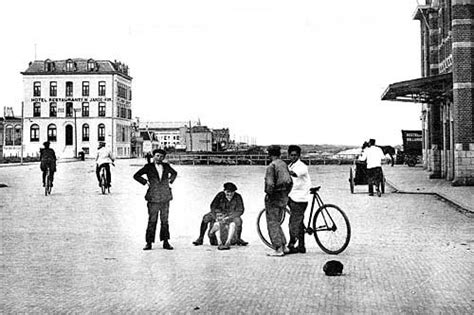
(445, 89)
(75, 104)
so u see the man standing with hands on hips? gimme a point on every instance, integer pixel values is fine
(159, 175)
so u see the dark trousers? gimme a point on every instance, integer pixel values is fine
(107, 172)
(274, 207)
(374, 177)
(155, 208)
(44, 167)
(296, 224)
(208, 221)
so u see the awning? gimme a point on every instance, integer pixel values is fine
(431, 89)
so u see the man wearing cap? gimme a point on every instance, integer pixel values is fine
(47, 159)
(374, 156)
(104, 159)
(158, 196)
(298, 199)
(227, 208)
(278, 184)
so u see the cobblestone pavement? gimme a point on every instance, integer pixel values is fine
(79, 251)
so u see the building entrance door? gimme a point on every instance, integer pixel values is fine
(69, 135)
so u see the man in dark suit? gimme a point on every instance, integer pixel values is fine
(159, 176)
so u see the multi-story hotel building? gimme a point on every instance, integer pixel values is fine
(445, 89)
(75, 104)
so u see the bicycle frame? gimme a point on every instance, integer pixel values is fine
(309, 229)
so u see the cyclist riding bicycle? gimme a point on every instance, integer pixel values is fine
(47, 159)
(103, 160)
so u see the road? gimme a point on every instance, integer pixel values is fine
(80, 251)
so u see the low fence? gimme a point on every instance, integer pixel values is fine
(244, 159)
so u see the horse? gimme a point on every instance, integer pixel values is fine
(386, 149)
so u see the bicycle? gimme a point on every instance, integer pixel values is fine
(48, 185)
(331, 227)
(104, 186)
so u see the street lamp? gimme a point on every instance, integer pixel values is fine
(75, 131)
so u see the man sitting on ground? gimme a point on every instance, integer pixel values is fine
(231, 206)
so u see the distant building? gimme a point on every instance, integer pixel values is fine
(10, 134)
(445, 89)
(167, 134)
(220, 139)
(75, 104)
(197, 139)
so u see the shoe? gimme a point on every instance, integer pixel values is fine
(293, 250)
(198, 242)
(379, 193)
(285, 249)
(223, 247)
(167, 246)
(371, 194)
(241, 242)
(276, 253)
(147, 247)
(301, 250)
(213, 241)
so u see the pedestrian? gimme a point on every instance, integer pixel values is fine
(297, 199)
(278, 184)
(103, 160)
(158, 196)
(47, 159)
(373, 155)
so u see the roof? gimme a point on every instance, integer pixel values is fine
(430, 89)
(164, 124)
(80, 67)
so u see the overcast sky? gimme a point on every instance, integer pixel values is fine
(275, 71)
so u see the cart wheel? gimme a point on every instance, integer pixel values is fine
(382, 185)
(351, 181)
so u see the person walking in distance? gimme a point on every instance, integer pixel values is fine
(158, 196)
(373, 155)
(278, 184)
(47, 159)
(298, 199)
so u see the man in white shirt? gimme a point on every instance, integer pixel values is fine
(104, 159)
(373, 155)
(298, 199)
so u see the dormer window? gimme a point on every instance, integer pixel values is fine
(91, 66)
(49, 65)
(70, 65)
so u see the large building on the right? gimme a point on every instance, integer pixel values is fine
(445, 89)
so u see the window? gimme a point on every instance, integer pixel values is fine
(68, 89)
(9, 135)
(123, 134)
(49, 66)
(52, 132)
(85, 132)
(53, 110)
(17, 140)
(85, 88)
(69, 135)
(101, 88)
(53, 88)
(90, 65)
(102, 109)
(37, 88)
(69, 110)
(34, 133)
(101, 132)
(70, 65)
(36, 109)
(85, 109)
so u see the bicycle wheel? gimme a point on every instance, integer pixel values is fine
(103, 183)
(262, 229)
(47, 184)
(332, 230)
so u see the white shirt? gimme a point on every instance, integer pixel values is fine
(373, 155)
(159, 169)
(104, 156)
(301, 183)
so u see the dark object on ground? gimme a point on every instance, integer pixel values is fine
(333, 268)
(3, 185)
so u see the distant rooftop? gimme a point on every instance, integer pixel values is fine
(165, 124)
(77, 66)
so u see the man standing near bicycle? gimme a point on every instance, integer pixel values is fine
(104, 159)
(47, 160)
(278, 184)
(158, 196)
(374, 156)
(298, 199)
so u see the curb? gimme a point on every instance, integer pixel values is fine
(459, 207)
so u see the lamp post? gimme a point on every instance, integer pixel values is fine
(22, 127)
(75, 132)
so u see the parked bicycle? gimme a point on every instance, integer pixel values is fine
(330, 227)
(48, 185)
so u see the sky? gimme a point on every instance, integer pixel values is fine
(272, 71)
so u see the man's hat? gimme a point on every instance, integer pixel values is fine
(372, 141)
(46, 143)
(230, 186)
(101, 144)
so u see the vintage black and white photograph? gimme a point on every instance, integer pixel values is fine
(237, 157)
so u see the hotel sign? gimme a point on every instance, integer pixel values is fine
(71, 99)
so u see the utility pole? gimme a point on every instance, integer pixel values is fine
(22, 127)
(75, 133)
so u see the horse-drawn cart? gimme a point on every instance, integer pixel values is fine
(358, 176)
(412, 146)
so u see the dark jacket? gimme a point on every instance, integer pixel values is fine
(47, 158)
(159, 189)
(231, 209)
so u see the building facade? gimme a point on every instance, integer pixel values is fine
(75, 104)
(10, 134)
(445, 89)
